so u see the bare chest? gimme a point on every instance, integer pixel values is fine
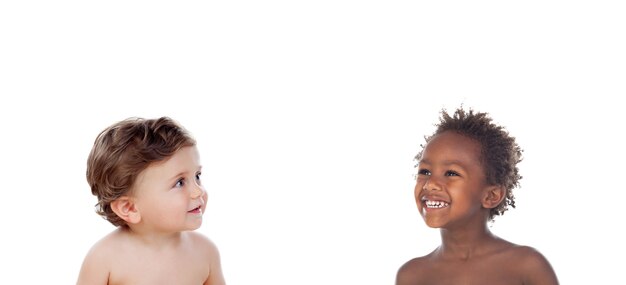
(154, 270)
(469, 273)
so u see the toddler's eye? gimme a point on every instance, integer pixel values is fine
(198, 176)
(179, 183)
(452, 173)
(423, 172)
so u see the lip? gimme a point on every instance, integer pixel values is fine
(442, 202)
(196, 210)
(425, 198)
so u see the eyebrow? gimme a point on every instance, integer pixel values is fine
(445, 162)
(183, 173)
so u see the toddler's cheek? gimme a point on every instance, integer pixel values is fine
(205, 198)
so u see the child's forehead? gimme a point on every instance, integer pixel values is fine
(450, 145)
(183, 157)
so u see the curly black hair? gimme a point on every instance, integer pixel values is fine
(500, 154)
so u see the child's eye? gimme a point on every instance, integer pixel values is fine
(452, 173)
(198, 176)
(180, 183)
(423, 172)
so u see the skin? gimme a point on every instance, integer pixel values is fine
(158, 246)
(451, 177)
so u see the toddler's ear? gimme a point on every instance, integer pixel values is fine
(493, 196)
(124, 207)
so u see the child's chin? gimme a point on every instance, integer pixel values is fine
(432, 224)
(195, 226)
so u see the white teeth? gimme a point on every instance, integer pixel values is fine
(435, 204)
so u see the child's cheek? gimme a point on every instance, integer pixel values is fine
(205, 198)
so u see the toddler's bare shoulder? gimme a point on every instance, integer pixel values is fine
(413, 270)
(527, 257)
(534, 266)
(202, 242)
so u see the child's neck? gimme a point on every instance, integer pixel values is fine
(465, 243)
(154, 238)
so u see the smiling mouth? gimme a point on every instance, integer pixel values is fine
(196, 210)
(431, 204)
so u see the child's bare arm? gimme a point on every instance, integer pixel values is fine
(92, 272)
(216, 276)
(539, 271)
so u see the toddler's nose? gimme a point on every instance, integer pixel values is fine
(196, 192)
(432, 184)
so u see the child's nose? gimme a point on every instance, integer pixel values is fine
(196, 191)
(432, 184)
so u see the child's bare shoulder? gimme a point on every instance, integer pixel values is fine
(202, 242)
(524, 255)
(204, 247)
(108, 244)
(531, 260)
(532, 265)
(413, 270)
(208, 251)
(101, 256)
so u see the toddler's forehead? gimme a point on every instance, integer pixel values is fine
(452, 144)
(151, 166)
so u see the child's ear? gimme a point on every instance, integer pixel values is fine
(125, 208)
(493, 196)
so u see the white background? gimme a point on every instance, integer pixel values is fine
(308, 115)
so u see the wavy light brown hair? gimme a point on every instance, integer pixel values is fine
(125, 149)
(500, 154)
